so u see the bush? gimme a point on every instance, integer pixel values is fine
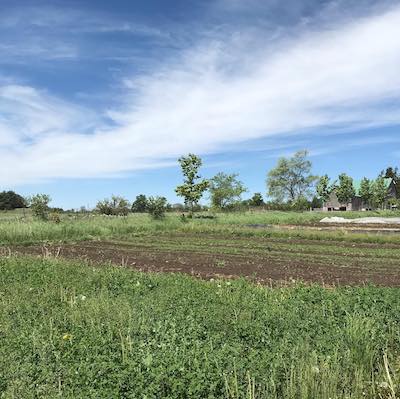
(39, 204)
(140, 204)
(55, 217)
(301, 204)
(156, 206)
(116, 206)
(10, 200)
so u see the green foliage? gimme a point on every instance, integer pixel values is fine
(157, 206)
(256, 200)
(291, 178)
(324, 188)
(116, 206)
(192, 188)
(77, 226)
(391, 173)
(10, 200)
(301, 204)
(55, 217)
(345, 190)
(72, 331)
(140, 204)
(225, 190)
(379, 192)
(316, 203)
(366, 191)
(39, 205)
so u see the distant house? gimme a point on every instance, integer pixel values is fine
(357, 204)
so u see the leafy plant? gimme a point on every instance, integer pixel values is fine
(157, 206)
(225, 190)
(140, 204)
(291, 178)
(366, 191)
(345, 190)
(39, 205)
(256, 200)
(193, 186)
(379, 192)
(324, 188)
(116, 206)
(10, 200)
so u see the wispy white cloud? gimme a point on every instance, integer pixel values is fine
(215, 94)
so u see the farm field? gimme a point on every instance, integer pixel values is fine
(268, 247)
(73, 331)
(280, 307)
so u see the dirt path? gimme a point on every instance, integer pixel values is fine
(268, 266)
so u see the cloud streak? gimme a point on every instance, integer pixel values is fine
(216, 94)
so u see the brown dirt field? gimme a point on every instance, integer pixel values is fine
(269, 267)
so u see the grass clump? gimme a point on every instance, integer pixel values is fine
(73, 331)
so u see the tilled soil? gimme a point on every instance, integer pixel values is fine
(269, 266)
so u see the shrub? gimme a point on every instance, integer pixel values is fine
(156, 206)
(39, 204)
(10, 200)
(116, 206)
(140, 204)
(55, 217)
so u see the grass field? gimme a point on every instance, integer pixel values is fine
(73, 331)
(82, 317)
(15, 228)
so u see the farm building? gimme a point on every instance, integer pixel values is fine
(357, 203)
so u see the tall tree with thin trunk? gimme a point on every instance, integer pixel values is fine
(345, 190)
(193, 186)
(379, 192)
(366, 191)
(324, 188)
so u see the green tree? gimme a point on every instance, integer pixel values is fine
(316, 202)
(345, 190)
(193, 186)
(256, 200)
(391, 173)
(366, 192)
(225, 190)
(10, 200)
(39, 205)
(157, 206)
(140, 204)
(324, 188)
(116, 206)
(379, 192)
(291, 179)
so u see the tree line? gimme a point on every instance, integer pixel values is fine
(291, 185)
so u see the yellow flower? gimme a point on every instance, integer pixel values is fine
(67, 337)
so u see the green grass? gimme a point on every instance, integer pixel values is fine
(26, 230)
(72, 331)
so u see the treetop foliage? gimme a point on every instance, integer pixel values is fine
(10, 200)
(291, 179)
(117, 206)
(345, 190)
(191, 190)
(225, 190)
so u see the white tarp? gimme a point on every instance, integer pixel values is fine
(369, 220)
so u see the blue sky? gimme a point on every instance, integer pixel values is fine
(101, 98)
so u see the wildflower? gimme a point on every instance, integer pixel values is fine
(82, 297)
(67, 337)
